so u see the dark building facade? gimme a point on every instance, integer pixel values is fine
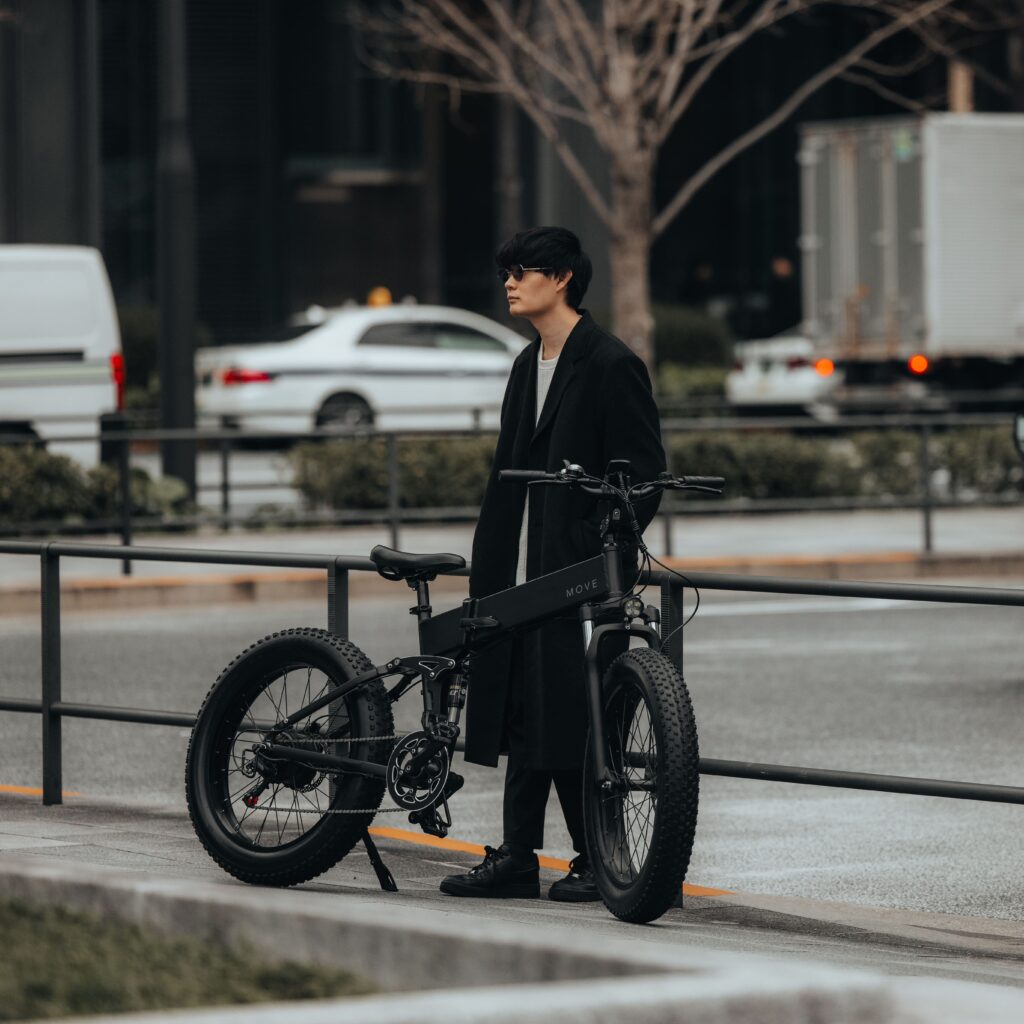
(316, 180)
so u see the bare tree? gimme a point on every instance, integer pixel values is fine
(630, 70)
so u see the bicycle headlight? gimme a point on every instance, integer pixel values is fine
(633, 607)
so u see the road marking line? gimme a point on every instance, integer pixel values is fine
(34, 791)
(554, 863)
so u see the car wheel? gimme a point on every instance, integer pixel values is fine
(344, 411)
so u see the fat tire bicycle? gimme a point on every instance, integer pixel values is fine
(294, 746)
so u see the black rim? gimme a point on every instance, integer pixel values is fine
(627, 814)
(291, 799)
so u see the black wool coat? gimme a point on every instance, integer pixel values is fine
(599, 407)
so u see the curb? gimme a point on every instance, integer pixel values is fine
(296, 585)
(455, 968)
(568, 977)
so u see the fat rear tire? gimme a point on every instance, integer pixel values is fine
(214, 780)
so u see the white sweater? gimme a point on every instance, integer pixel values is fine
(545, 371)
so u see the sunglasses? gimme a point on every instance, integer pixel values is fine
(517, 272)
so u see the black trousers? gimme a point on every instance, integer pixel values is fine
(526, 788)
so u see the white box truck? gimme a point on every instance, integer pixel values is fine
(912, 239)
(61, 365)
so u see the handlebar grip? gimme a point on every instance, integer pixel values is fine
(506, 475)
(704, 481)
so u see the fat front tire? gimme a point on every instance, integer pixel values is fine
(640, 830)
(280, 825)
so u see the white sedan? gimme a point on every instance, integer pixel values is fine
(393, 367)
(780, 374)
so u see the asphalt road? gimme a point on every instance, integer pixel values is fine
(930, 690)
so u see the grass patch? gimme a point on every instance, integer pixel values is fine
(58, 963)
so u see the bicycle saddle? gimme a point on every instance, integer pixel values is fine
(401, 565)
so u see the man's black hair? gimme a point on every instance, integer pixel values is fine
(558, 249)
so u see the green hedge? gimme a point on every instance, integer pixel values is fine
(690, 337)
(677, 383)
(758, 464)
(37, 487)
(431, 473)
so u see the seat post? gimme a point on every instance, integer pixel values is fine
(422, 607)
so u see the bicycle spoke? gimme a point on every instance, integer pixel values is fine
(300, 797)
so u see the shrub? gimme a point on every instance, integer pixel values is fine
(886, 462)
(433, 473)
(690, 337)
(39, 487)
(982, 460)
(678, 382)
(757, 464)
(764, 464)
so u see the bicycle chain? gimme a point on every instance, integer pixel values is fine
(354, 810)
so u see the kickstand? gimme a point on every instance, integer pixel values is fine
(386, 879)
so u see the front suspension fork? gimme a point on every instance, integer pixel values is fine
(603, 774)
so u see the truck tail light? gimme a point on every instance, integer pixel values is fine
(117, 375)
(825, 367)
(918, 364)
(236, 375)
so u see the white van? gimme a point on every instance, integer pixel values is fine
(61, 365)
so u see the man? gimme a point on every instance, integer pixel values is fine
(576, 393)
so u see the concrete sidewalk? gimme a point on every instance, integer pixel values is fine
(723, 957)
(848, 545)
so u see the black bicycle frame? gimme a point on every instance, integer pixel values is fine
(594, 586)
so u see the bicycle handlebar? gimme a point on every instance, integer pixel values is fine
(525, 474)
(717, 482)
(575, 475)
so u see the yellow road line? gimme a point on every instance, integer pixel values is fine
(461, 846)
(33, 791)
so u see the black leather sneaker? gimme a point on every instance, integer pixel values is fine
(500, 876)
(578, 886)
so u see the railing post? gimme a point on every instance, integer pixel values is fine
(926, 487)
(124, 473)
(225, 480)
(49, 585)
(393, 511)
(337, 599)
(672, 620)
(666, 522)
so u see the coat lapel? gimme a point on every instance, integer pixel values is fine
(526, 409)
(575, 348)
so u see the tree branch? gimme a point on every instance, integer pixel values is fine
(752, 135)
(770, 13)
(884, 91)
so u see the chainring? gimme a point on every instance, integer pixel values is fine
(414, 794)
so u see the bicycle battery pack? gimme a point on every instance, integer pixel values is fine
(529, 603)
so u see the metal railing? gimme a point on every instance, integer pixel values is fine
(54, 709)
(394, 515)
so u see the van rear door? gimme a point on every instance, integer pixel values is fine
(60, 348)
